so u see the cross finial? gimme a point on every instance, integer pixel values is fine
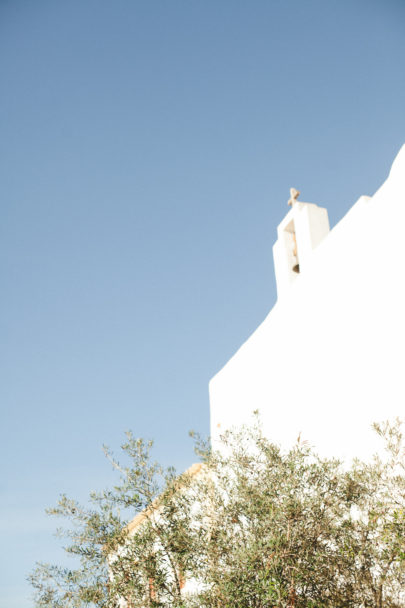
(294, 194)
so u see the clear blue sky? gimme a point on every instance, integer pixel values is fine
(146, 155)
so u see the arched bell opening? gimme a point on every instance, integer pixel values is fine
(291, 242)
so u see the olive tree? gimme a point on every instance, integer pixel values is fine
(292, 529)
(116, 563)
(252, 526)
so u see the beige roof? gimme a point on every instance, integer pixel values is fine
(138, 519)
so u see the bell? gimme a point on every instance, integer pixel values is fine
(296, 268)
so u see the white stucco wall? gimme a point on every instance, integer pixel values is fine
(329, 359)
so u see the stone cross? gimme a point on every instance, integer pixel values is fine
(294, 194)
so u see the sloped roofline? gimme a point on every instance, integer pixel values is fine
(134, 524)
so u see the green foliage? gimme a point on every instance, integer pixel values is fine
(252, 527)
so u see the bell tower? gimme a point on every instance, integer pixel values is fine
(300, 232)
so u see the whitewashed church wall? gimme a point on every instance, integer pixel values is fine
(329, 358)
